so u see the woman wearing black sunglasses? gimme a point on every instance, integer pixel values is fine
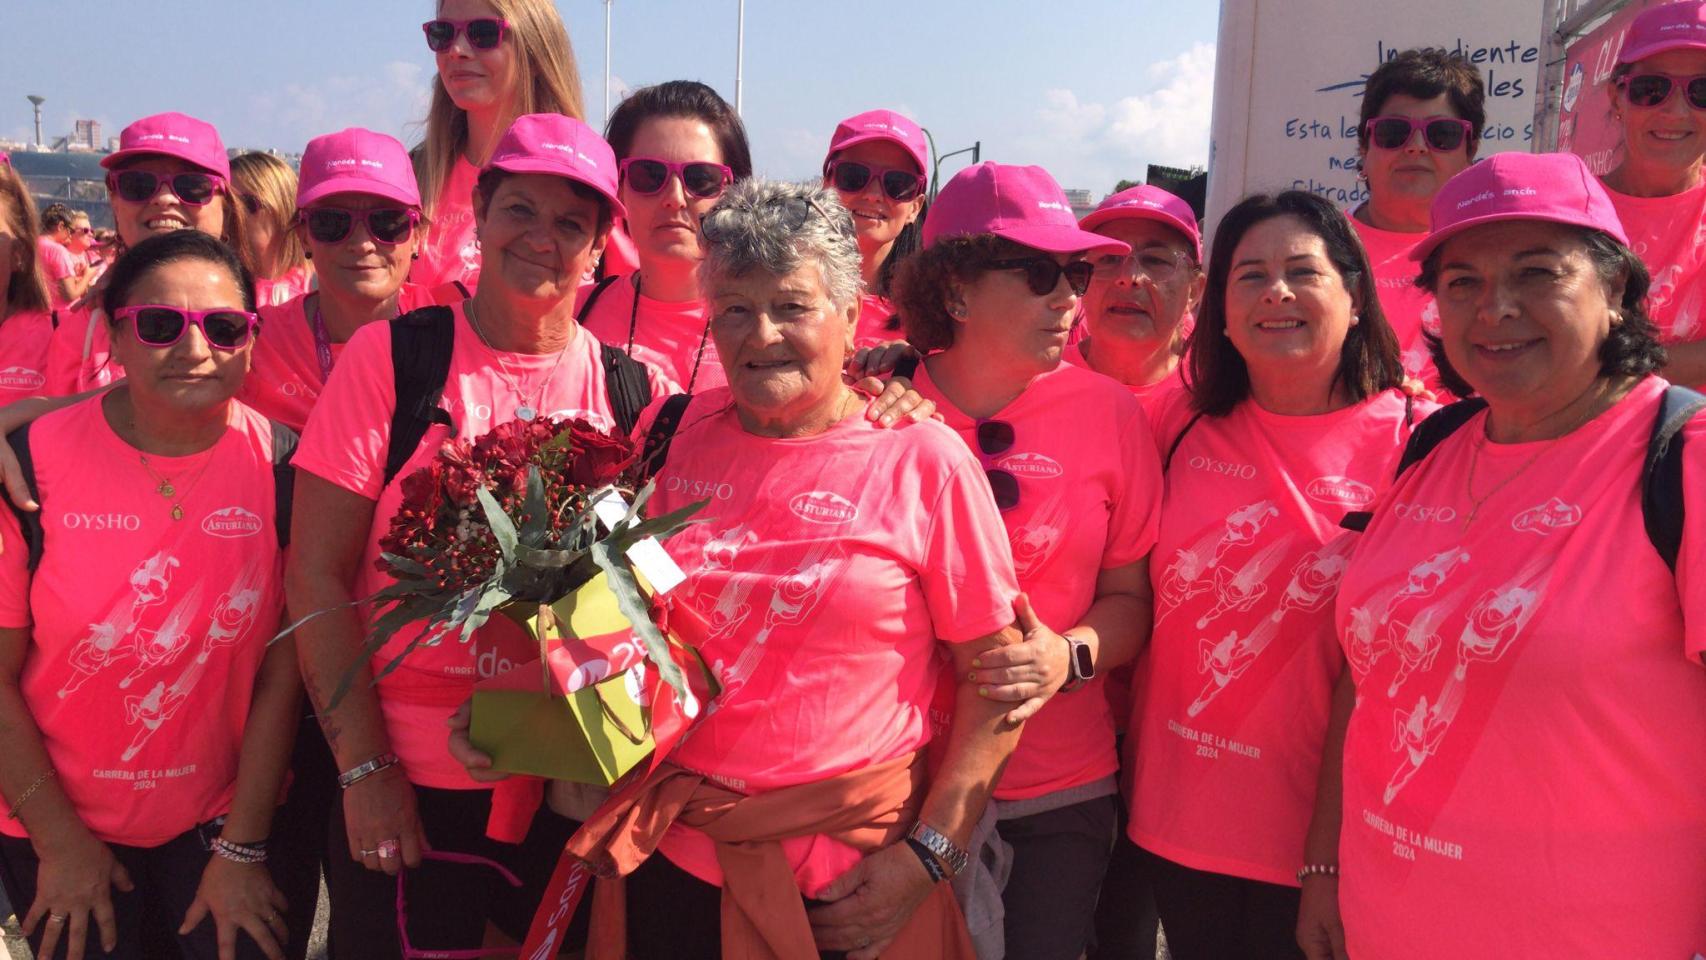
(680, 146)
(497, 60)
(1658, 96)
(876, 163)
(1069, 456)
(1422, 113)
(1293, 418)
(148, 720)
(169, 173)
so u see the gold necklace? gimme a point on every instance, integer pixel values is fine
(1476, 503)
(165, 488)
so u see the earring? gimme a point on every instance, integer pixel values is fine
(1356, 318)
(307, 254)
(958, 311)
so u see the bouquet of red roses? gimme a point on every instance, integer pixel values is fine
(512, 519)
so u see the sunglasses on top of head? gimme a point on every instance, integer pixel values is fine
(851, 176)
(1043, 274)
(387, 225)
(700, 178)
(1655, 89)
(1442, 134)
(141, 186)
(162, 326)
(484, 33)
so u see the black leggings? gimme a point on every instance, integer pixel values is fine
(449, 904)
(1058, 861)
(166, 879)
(673, 915)
(1213, 916)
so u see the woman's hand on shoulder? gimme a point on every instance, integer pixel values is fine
(878, 360)
(868, 905)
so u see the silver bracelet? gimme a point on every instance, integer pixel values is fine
(362, 771)
(947, 851)
(1317, 870)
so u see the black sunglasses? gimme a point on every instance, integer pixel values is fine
(996, 437)
(141, 186)
(1443, 134)
(1652, 89)
(851, 176)
(387, 225)
(1043, 273)
(484, 33)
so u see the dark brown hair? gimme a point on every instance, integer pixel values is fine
(928, 277)
(1369, 359)
(1425, 73)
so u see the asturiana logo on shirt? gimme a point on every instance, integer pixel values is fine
(1549, 516)
(1340, 491)
(822, 506)
(21, 378)
(231, 523)
(1032, 465)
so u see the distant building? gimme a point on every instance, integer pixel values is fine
(87, 135)
(1082, 202)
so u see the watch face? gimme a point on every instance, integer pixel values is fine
(1082, 664)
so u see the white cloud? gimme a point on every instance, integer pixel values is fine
(394, 101)
(1093, 144)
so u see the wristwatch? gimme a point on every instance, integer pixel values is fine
(952, 858)
(1080, 665)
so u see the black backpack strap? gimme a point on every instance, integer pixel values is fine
(53, 319)
(658, 438)
(592, 298)
(421, 344)
(1173, 448)
(1662, 499)
(626, 386)
(284, 442)
(29, 521)
(1429, 434)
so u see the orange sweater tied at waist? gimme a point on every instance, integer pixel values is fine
(763, 914)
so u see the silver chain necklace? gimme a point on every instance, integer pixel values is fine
(523, 411)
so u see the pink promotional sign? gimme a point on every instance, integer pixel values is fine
(1585, 124)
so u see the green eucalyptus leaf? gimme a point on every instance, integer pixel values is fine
(503, 529)
(633, 605)
(413, 568)
(538, 523)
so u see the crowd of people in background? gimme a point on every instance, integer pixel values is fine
(1323, 590)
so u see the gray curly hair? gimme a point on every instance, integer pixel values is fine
(776, 226)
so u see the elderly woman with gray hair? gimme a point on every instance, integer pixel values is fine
(840, 570)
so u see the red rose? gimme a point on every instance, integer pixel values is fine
(599, 458)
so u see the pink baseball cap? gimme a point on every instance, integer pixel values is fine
(880, 125)
(1667, 26)
(562, 147)
(357, 161)
(172, 135)
(1144, 202)
(1021, 204)
(1556, 187)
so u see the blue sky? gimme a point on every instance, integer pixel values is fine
(1092, 90)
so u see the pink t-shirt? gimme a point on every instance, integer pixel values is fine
(24, 341)
(1154, 396)
(666, 335)
(345, 444)
(294, 283)
(57, 263)
(148, 632)
(877, 322)
(285, 371)
(450, 252)
(1669, 234)
(79, 354)
(1408, 308)
(1089, 500)
(1238, 678)
(826, 572)
(1522, 772)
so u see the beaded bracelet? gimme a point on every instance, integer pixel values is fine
(29, 792)
(239, 853)
(1317, 870)
(928, 859)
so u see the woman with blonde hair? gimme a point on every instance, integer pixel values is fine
(266, 187)
(497, 60)
(26, 323)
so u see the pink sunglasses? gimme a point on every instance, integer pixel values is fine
(162, 326)
(410, 952)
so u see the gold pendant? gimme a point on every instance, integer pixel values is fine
(165, 489)
(177, 512)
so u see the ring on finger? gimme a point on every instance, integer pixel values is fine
(58, 917)
(387, 849)
(368, 853)
(863, 942)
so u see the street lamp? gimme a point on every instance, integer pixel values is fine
(976, 151)
(607, 62)
(37, 101)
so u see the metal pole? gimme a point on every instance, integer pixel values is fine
(37, 102)
(607, 62)
(740, 50)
